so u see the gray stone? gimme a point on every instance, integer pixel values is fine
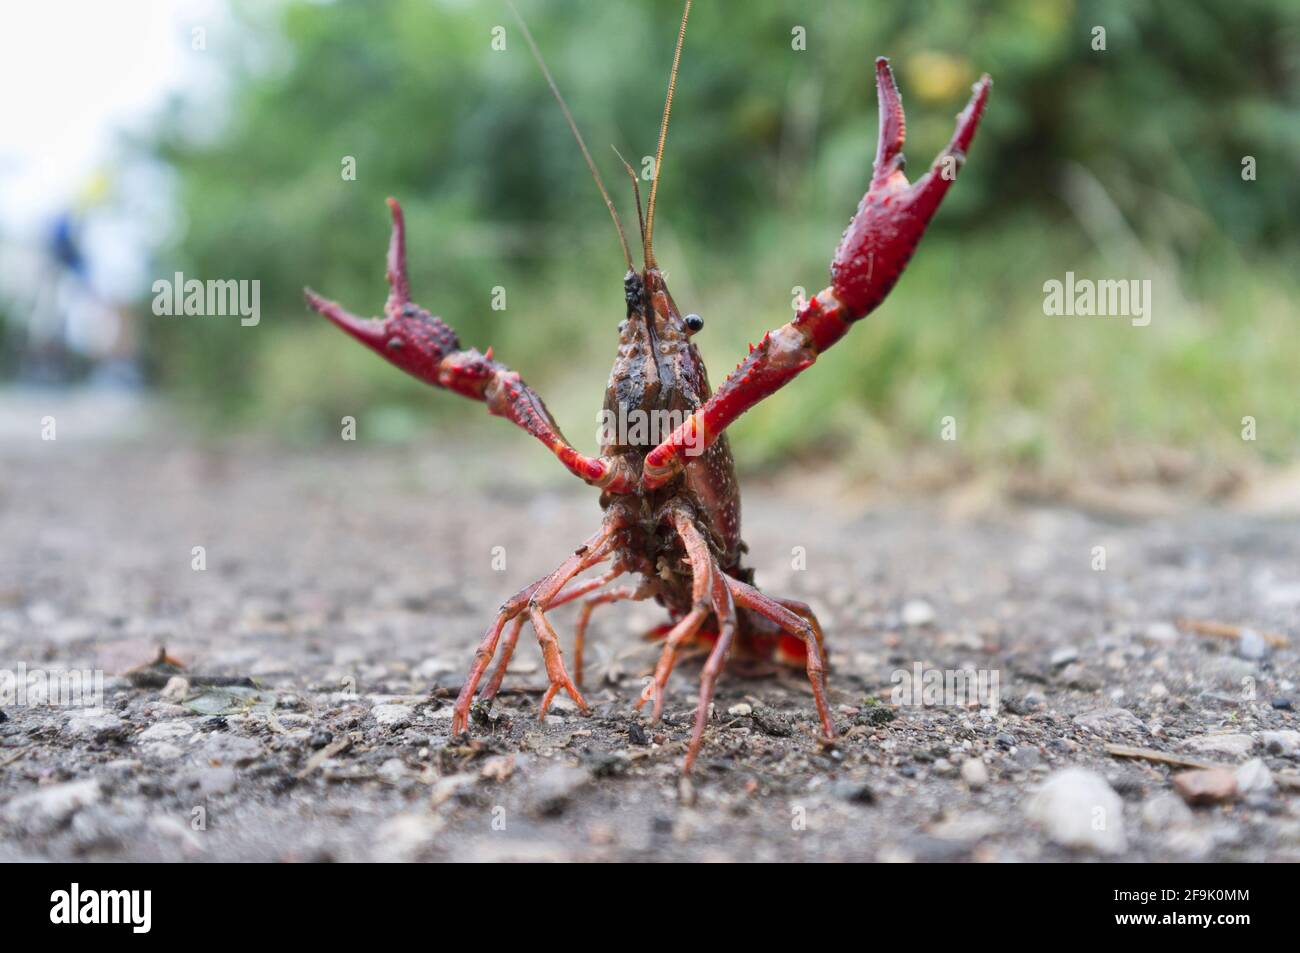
(47, 807)
(226, 749)
(1206, 786)
(1164, 633)
(393, 717)
(94, 724)
(175, 690)
(965, 828)
(163, 751)
(1230, 672)
(556, 786)
(1285, 743)
(1251, 645)
(916, 613)
(451, 786)
(405, 838)
(1230, 745)
(974, 773)
(1165, 811)
(1254, 777)
(1109, 721)
(215, 781)
(1064, 656)
(173, 732)
(1077, 808)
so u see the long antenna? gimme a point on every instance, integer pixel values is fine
(636, 191)
(568, 117)
(663, 136)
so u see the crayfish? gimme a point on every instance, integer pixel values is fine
(672, 508)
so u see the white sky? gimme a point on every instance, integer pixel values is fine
(75, 75)
(72, 72)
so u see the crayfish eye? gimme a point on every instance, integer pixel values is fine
(694, 323)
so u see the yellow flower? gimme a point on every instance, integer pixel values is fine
(936, 77)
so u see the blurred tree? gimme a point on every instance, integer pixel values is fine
(768, 154)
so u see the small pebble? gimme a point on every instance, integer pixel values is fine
(1079, 809)
(1232, 744)
(1165, 811)
(405, 837)
(95, 724)
(47, 807)
(1107, 721)
(176, 689)
(1251, 645)
(916, 613)
(1206, 786)
(214, 781)
(974, 773)
(1285, 743)
(1254, 777)
(556, 787)
(855, 792)
(1064, 656)
(393, 717)
(740, 710)
(1027, 757)
(1164, 632)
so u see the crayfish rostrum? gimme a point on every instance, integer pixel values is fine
(672, 508)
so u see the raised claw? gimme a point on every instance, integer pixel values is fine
(893, 215)
(871, 256)
(426, 347)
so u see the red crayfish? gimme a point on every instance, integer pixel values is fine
(672, 508)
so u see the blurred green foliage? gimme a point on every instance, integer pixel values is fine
(1122, 163)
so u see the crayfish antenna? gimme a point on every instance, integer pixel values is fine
(636, 191)
(573, 126)
(663, 137)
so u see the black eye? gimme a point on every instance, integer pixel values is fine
(694, 323)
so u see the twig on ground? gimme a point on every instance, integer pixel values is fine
(324, 754)
(1226, 630)
(1291, 781)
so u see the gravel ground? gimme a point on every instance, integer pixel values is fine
(324, 641)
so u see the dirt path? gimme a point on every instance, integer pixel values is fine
(343, 593)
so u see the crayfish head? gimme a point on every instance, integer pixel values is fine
(670, 325)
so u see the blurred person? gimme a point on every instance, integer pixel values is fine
(72, 324)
